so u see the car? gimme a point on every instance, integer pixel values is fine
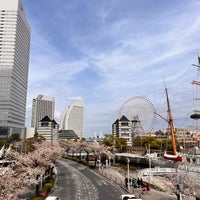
(53, 198)
(129, 196)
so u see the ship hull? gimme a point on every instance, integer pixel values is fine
(173, 157)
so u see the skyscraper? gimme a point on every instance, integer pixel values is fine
(14, 62)
(73, 118)
(42, 106)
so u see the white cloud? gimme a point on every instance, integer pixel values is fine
(74, 98)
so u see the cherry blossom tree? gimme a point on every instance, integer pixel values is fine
(190, 185)
(89, 147)
(25, 167)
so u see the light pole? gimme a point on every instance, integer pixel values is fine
(179, 191)
(99, 161)
(149, 165)
(128, 161)
(114, 142)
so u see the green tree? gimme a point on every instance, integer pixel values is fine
(83, 139)
(117, 143)
(167, 144)
(15, 137)
(149, 140)
(120, 144)
(108, 140)
(137, 141)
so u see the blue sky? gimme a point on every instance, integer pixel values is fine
(109, 51)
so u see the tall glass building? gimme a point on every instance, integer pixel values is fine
(42, 106)
(14, 62)
(73, 118)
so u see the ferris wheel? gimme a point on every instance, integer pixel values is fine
(141, 112)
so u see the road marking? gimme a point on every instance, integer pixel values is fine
(102, 182)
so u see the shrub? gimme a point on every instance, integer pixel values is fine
(47, 187)
(53, 177)
(38, 198)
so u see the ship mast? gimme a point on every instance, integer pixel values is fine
(196, 111)
(171, 124)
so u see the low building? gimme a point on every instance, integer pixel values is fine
(48, 128)
(67, 135)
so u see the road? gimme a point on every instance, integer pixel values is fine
(77, 182)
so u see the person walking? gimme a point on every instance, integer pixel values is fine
(126, 182)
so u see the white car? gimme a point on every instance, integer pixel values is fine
(53, 198)
(129, 196)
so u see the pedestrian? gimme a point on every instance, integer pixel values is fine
(144, 190)
(148, 187)
(178, 195)
(141, 182)
(138, 182)
(126, 183)
(133, 181)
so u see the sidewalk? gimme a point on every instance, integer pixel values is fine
(117, 175)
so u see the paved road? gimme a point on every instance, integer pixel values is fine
(77, 182)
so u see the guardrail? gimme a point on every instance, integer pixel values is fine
(157, 171)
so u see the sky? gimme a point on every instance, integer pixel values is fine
(113, 52)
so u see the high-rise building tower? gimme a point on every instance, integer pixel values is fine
(14, 62)
(42, 106)
(73, 118)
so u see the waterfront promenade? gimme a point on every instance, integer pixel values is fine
(117, 176)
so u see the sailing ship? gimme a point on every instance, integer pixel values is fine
(175, 156)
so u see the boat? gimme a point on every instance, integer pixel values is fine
(175, 156)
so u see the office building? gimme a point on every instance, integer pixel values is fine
(42, 106)
(73, 118)
(14, 62)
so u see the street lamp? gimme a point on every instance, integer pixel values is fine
(128, 161)
(149, 165)
(114, 142)
(99, 162)
(179, 191)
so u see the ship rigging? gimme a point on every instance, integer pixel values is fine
(196, 83)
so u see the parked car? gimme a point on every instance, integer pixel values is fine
(53, 198)
(129, 196)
